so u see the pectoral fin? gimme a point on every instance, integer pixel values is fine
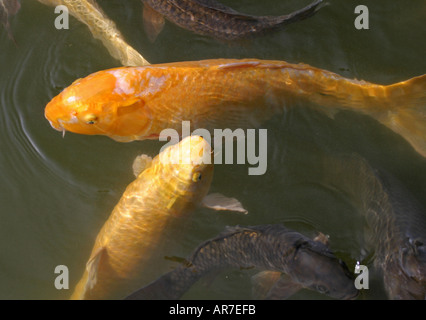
(284, 288)
(153, 22)
(262, 283)
(93, 266)
(217, 201)
(272, 285)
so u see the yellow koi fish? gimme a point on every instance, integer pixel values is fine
(102, 28)
(172, 185)
(138, 103)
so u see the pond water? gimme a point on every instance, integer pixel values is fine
(56, 192)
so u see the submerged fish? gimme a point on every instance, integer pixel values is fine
(396, 223)
(209, 17)
(170, 187)
(102, 28)
(8, 8)
(138, 103)
(306, 263)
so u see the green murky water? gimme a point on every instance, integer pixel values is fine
(55, 193)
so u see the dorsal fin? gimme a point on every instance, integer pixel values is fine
(322, 238)
(213, 4)
(239, 64)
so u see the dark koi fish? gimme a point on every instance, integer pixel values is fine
(396, 223)
(305, 262)
(211, 18)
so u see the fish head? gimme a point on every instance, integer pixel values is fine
(315, 267)
(188, 166)
(103, 103)
(404, 274)
(413, 259)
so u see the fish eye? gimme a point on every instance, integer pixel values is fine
(196, 177)
(321, 289)
(90, 118)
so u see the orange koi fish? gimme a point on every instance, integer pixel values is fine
(171, 185)
(137, 103)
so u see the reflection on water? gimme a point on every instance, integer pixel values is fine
(56, 192)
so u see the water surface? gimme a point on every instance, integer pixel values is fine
(55, 192)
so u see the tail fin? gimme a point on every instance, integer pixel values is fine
(154, 291)
(300, 14)
(406, 114)
(163, 288)
(400, 106)
(104, 29)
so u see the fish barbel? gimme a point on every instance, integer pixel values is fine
(138, 103)
(174, 183)
(396, 222)
(102, 28)
(209, 17)
(307, 264)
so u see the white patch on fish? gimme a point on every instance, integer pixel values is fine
(154, 85)
(150, 86)
(122, 86)
(71, 99)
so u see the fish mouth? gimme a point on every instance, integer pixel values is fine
(54, 123)
(57, 125)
